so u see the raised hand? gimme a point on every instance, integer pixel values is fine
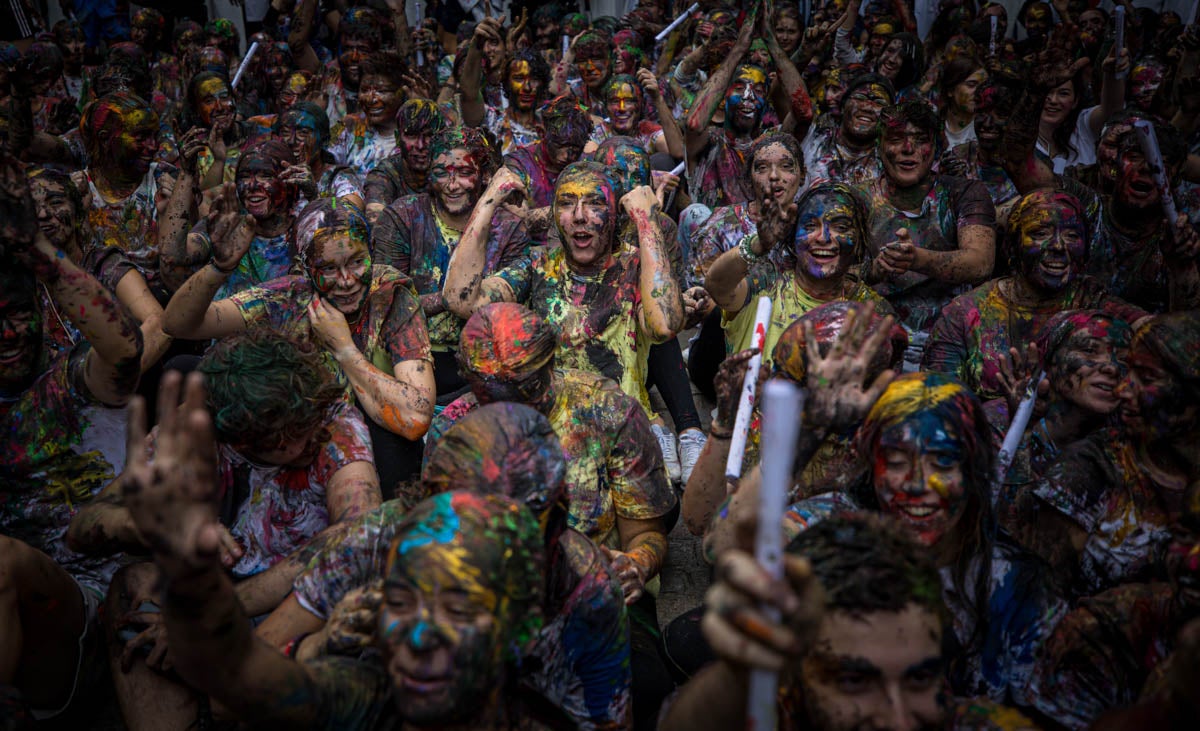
(649, 84)
(775, 223)
(838, 395)
(897, 256)
(1017, 370)
(173, 502)
(230, 231)
(503, 185)
(191, 144)
(330, 327)
(517, 31)
(18, 219)
(301, 176)
(641, 198)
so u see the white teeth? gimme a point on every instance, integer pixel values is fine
(919, 511)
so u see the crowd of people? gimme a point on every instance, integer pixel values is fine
(327, 363)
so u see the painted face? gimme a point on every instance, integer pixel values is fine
(787, 32)
(825, 236)
(1060, 102)
(1038, 20)
(585, 209)
(1053, 245)
(136, 142)
(340, 270)
(415, 148)
(294, 89)
(622, 104)
(56, 214)
(1091, 27)
(259, 189)
(990, 118)
(354, 52)
(776, 173)
(907, 154)
(523, 89)
(627, 167)
(493, 55)
(1183, 569)
(875, 670)
(454, 178)
(879, 39)
(860, 111)
(745, 100)
(213, 101)
(558, 156)
(141, 33)
(1157, 404)
(594, 69)
(891, 60)
(297, 450)
(298, 130)
(964, 96)
(380, 99)
(1135, 184)
(440, 633)
(1144, 82)
(72, 51)
(20, 341)
(1089, 367)
(1108, 149)
(276, 68)
(546, 35)
(625, 61)
(919, 476)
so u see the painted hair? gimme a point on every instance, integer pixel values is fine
(538, 68)
(478, 146)
(386, 63)
(122, 75)
(1058, 331)
(314, 110)
(1031, 202)
(224, 29)
(419, 116)
(265, 388)
(103, 119)
(593, 44)
(626, 160)
(1175, 338)
(504, 342)
(614, 84)
(869, 79)
(362, 23)
(323, 218)
(790, 358)
(151, 19)
(916, 112)
(565, 123)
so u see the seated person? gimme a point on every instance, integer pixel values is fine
(565, 131)
(623, 102)
(846, 152)
(405, 172)
(305, 129)
(362, 139)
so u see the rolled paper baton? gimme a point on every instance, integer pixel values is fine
(662, 34)
(420, 24)
(241, 69)
(782, 404)
(566, 44)
(1016, 431)
(741, 423)
(995, 30)
(1149, 143)
(1119, 39)
(678, 169)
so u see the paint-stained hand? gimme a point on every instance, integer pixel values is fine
(1184, 244)
(730, 379)
(173, 501)
(775, 222)
(504, 184)
(896, 256)
(191, 144)
(629, 573)
(351, 625)
(649, 84)
(838, 395)
(330, 327)
(1016, 371)
(489, 29)
(230, 231)
(663, 183)
(152, 633)
(735, 625)
(696, 305)
(639, 200)
(517, 32)
(300, 176)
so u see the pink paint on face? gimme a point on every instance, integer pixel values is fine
(918, 476)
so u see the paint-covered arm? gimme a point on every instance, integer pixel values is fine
(713, 92)
(791, 83)
(465, 289)
(662, 302)
(671, 134)
(133, 292)
(969, 264)
(177, 249)
(298, 35)
(1112, 91)
(471, 78)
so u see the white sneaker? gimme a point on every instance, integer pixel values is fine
(670, 451)
(691, 443)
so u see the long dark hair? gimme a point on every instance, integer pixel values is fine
(954, 73)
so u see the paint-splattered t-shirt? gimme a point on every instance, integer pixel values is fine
(385, 183)
(408, 236)
(269, 257)
(646, 133)
(1101, 654)
(717, 179)
(597, 317)
(581, 659)
(130, 224)
(273, 511)
(509, 132)
(1000, 187)
(60, 448)
(614, 466)
(1101, 484)
(951, 204)
(972, 337)
(723, 231)
(788, 303)
(357, 145)
(390, 330)
(826, 160)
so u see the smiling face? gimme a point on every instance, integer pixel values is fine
(860, 111)
(1052, 244)
(964, 96)
(919, 476)
(907, 154)
(213, 101)
(354, 52)
(1135, 185)
(1060, 102)
(825, 236)
(1157, 403)
(56, 214)
(787, 32)
(260, 190)
(298, 130)
(1145, 79)
(776, 173)
(622, 105)
(455, 181)
(585, 209)
(295, 86)
(135, 143)
(380, 99)
(990, 118)
(875, 670)
(1091, 27)
(891, 60)
(1088, 368)
(746, 100)
(415, 150)
(340, 270)
(546, 35)
(594, 68)
(20, 337)
(524, 90)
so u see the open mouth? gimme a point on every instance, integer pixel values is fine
(12, 355)
(1055, 268)
(918, 512)
(907, 166)
(865, 120)
(824, 255)
(1141, 187)
(582, 240)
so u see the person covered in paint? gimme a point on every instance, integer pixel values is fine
(1047, 248)
(610, 303)
(1101, 514)
(360, 35)
(566, 128)
(479, 555)
(365, 316)
(618, 493)
(418, 234)
(828, 236)
(148, 29)
(61, 419)
(526, 85)
(293, 460)
(405, 172)
(362, 139)
(846, 152)
(624, 99)
(210, 105)
(68, 36)
(591, 54)
(981, 159)
(860, 605)
(928, 233)
(582, 652)
(264, 189)
(304, 128)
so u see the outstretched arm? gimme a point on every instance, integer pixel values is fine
(713, 91)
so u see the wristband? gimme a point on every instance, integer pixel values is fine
(746, 249)
(293, 645)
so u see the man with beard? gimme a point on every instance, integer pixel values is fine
(418, 234)
(846, 152)
(406, 171)
(547, 27)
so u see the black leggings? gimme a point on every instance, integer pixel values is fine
(666, 372)
(706, 355)
(449, 382)
(652, 681)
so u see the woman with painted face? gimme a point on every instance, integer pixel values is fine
(363, 138)
(623, 101)
(210, 105)
(360, 33)
(1047, 247)
(959, 85)
(526, 82)
(1101, 514)
(827, 231)
(363, 314)
(305, 129)
(418, 234)
(406, 171)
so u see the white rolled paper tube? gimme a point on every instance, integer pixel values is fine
(1149, 143)
(995, 30)
(241, 69)
(420, 24)
(678, 169)
(782, 404)
(1016, 432)
(741, 423)
(1119, 40)
(662, 34)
